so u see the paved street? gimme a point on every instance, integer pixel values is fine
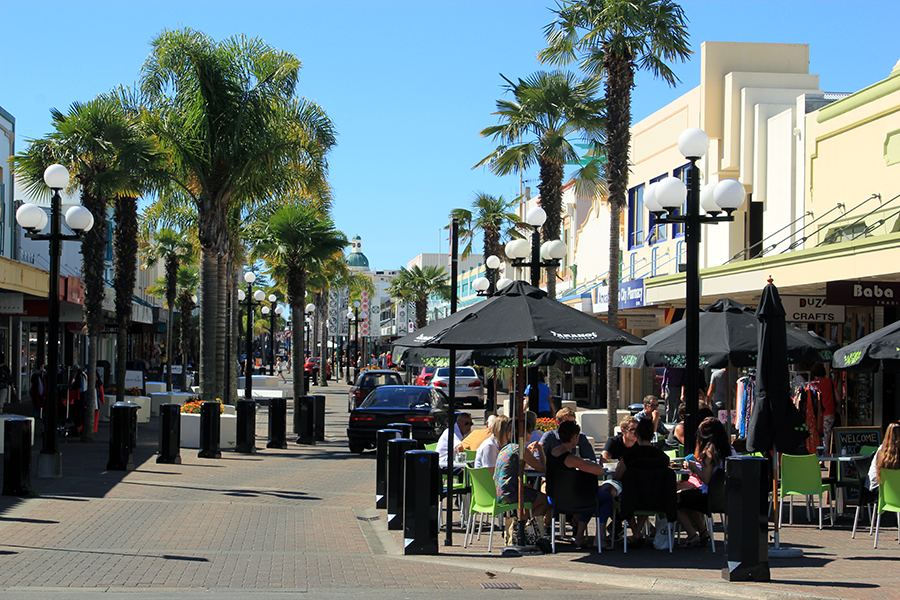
(303, 520)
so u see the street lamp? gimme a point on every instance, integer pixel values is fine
(258, 296)
(350, 362)
(662, 199)
(353, 316)
(273, 312)
(551, 252)
(309, 309)
(487, 286)
(33, 219)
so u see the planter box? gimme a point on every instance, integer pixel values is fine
(263, 392)
(167, 398)
(262, 381)
(152, 387)
(143, 415)
(190, 431)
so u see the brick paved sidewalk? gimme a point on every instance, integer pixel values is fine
(303, 518)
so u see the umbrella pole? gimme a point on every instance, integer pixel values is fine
(519, 548)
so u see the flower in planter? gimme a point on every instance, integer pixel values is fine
(192, 405)
(546, 424)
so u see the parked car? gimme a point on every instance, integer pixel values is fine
(420, 406)
(312, 365)
(368, 381)
(425, 375)
(469, 387)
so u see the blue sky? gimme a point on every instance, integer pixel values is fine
(409, 84)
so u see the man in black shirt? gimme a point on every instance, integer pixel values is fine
(615, 446)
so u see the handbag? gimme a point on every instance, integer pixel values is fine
(661, 539)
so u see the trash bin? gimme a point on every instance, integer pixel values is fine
(169, 434)
(16, 457)
(319, 417)
(245, 435)
(304, 423)
(277, 423)
(123, 436)
(405, 429)
(210, 430)
(746, 519)
(395, 469)
(421, 502)
(381, 440)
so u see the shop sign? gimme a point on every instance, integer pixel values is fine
(811, 309)
(863, 293)
(642, 322)
(74, 290)
(12, 303)
(631, 295)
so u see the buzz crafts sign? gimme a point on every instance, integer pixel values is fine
(811, 309)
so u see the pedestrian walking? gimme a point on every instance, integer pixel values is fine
(281, 369)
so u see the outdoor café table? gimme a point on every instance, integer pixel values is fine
(838, 458)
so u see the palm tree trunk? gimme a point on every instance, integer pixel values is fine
(221, 340)
(93, 247)
(209, 291)
(321, 320)
(233, 335)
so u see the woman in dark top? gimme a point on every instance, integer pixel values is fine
(709, 456)
(643, 455)
(560, 458)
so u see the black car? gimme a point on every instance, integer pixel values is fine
(368, 381)
(422, 407)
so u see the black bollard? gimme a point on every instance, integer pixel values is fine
(245, 441)
(381, 439)
(746, 519)
(304, 420)
(396, 449)
(421, 502)
(16, 457)
(123, 436)
(319, 417)
(405, 429)
(277, 423)
(210, 430)
(169, 434)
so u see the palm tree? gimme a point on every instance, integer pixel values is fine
(320, 281)
(493, 217)
(299, 237)
(171, 248)
(612, 39)
(416, 285)
(550, 111)
(188, 279)
(236, 134)
(109, 158)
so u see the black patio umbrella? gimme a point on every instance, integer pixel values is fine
(520, 316)
(878, 349)
(728, 332)
(775, 422)
(493, 357)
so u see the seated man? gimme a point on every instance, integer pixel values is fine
(478, 436)
(617, 445)
(651, 411)
(550, 439)
(460, 431)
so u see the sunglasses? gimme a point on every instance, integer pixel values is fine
(467, 423)
(631, 429)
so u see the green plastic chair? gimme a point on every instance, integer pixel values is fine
(470, 455)
(888, 498)
(431, 447)
(868, 450)
(672, 454)
(801, 476)
(484, 502)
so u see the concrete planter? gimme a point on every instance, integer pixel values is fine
(190, 431)
(167, 398)
(143, 415)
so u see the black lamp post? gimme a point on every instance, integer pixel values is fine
(669, 194)
(273, 311)
(488, 285)
(353, 315)
(34, 219)
(349, 354)
(252, 298)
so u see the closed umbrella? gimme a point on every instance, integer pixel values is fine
(775, 423)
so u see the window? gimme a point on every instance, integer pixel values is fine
(654, 261)
(632, 259)
(636, 216)
(679, 254)
(682, 174)
(657, 231)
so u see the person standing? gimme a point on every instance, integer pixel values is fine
(7, 384)
(828, 398)
(673, 381)
(546, 405)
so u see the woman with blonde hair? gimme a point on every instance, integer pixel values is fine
(486, 455)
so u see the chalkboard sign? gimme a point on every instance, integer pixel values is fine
(849, 441)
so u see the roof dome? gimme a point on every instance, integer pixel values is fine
(357, 258)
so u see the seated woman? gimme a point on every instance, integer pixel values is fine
(709, 456)
(486, 454)
(506, 474)
(887, 456)
(676, 435)
(644, 455)
(561, 457)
